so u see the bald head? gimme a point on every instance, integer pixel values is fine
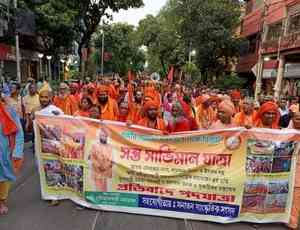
(45, 98)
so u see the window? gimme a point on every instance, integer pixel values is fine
(294, 23)
(274, 31)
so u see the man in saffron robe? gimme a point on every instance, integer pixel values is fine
(225, 112)
(91, 91)
(246, 117)
(178, 121)
(135, 103)
(236, 97)
(114, 89)
(74, 93)
(151, 119)
(205, 114)
(64, 101)
(125, 114)
(11, 151)
(268, 116)
(151, 92)
(108, 106)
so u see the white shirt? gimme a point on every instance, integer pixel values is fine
(50, 110)
(284, 112)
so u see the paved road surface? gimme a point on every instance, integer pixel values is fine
(29, 212)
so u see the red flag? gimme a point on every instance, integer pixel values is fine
(171, 74)
(130, 76)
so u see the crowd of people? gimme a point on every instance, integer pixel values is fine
(162, 105)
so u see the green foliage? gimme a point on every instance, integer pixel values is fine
(59, 23)
(74, 74)
(162, 40)
(91, 12)
(231, 81)
(190, 68)
(208, 26)
(181, 26)
(55, 23)
(121, 42)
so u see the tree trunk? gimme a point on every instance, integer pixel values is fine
(163, 66)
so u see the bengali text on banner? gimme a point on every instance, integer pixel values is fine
(213, 175)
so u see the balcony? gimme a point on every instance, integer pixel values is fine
(251, 23)
(290, 41)
(246, 63)
(270, 46)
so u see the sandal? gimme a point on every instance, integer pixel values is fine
(3, 208)
(54, 203)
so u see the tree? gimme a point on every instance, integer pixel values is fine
(208, 26)
(122, 46)
(92, 11)
(54, 20)
(163, 42)
(59, 23)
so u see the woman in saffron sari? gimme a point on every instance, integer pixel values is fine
(84, 107)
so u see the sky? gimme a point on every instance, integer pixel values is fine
(133, 16)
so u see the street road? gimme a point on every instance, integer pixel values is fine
(29, 212)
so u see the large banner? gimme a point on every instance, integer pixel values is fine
(217, 175)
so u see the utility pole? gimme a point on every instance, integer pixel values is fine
(260, 63)
(18, 58)
(281, 62)
(102, 55)
(261, 58)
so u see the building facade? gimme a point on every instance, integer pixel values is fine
(29, 59)
(271, 59)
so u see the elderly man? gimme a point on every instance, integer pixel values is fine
(268, 116)
(225, 112)
(246, 117)
(151, 119)
(64, 100)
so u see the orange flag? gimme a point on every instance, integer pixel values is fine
(171, 74)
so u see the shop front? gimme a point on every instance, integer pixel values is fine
(290, 86)
(29, 63)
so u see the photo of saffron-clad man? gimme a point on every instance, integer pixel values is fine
(101, 161)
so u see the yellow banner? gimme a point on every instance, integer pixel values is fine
(222, 176)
